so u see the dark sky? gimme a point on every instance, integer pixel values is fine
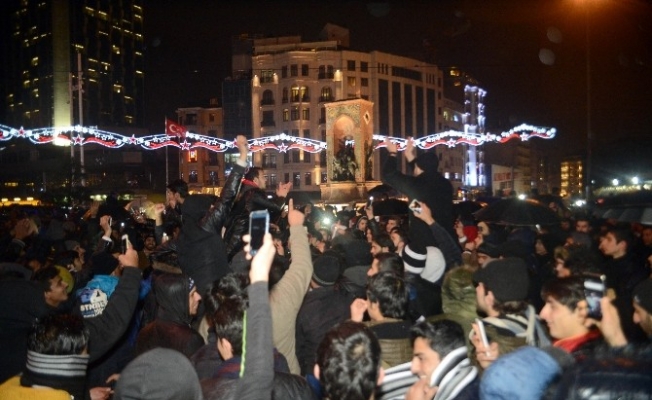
(497, 41)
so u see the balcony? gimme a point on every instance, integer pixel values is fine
(267, 123)
(267, 102)
(325, 75)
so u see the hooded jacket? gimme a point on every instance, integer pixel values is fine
(171, 328)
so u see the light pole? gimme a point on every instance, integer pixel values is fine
(589, 134)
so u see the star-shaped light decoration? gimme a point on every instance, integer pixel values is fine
(185, 145)
(132, 139)
(79, 140)
(21, 132)
(282, 148)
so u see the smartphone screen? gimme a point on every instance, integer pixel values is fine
(594, 290)
(258, 227)
(483, 332)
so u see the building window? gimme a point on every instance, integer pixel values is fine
(324, 177)
(307, 157)
(296, 156)
(305, 93)
(267, 76)
(305, 114)
(272, 180)
(325, 72)
(364, 66)
(364, 82)
(350, 80)
(326, 94)
(350, 65)
(287, 177)
(297, 180)
(305, 70)
(285, 95)
(211, 117)
(308, 178)
(269, 160)
(212, 178)
(286, 115)
(284, 71)
(192, 155)
(294, 70)
(295, 94)
(268, 98)
(268, 118)
(192, 177)
(295, 114)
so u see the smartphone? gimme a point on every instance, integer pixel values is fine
(483, 332)
(594, 290)
(258, 227)
(110, 221)
(415, 206)
(124, 243)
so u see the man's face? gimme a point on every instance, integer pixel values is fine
(562, 321)
(396, 238)
(560, 269)
(375, 248)
(193, 301)
(582, 226)
(424, 359)
(643, 319)
(646, 237)
(481, 297)
(150, 243)
(373, 269)
(57, 293)
(362, 225)
(261, 181)
(391, 223)
(483, 259)
(609, 245)
(172, 198)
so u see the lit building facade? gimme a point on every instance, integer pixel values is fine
(293, 80)
(572, 177)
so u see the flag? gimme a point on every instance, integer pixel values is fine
(174, 129)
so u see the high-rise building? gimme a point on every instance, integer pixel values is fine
(50, 42)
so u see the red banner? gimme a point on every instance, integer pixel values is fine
(174, 129)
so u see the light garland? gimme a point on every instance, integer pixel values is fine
(81, 135)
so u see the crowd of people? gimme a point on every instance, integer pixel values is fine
(172, 303)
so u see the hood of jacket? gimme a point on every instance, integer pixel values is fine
(172, 297)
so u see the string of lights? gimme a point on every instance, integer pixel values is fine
(82, 135)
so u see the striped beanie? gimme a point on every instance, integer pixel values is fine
(414, 258)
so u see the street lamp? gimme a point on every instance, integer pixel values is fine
(635, 180)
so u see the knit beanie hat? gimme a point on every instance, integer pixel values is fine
(64, 372)
(103, 263)
(471, 232)
(414, 258)
(489, 249)
(507, 278)
(326, 269)
(643, 295)
(149, 376)
(427, 161)
(524, 373)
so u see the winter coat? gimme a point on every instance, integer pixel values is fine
(429, 187)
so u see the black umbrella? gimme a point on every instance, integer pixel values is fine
(517, 212)
(465, 209)
(382, 191)
(641, 213)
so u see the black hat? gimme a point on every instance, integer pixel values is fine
(514, 248)
(103, 263)
(489, 249)
(326, 269)
(427, 161)
(643, 295)
(507, 278)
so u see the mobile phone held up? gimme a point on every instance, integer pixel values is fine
(258, 227)
(124, 243)
(594, 290)
(415, 206)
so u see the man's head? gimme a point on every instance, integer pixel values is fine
(63, 334)
(54, 288)
(177, 297)
(399, 237)
(486, 252)
(616, 241)
(387, 295)
(348, 362)
(257, 176)
(643, 306)
(392, 222)
(176, 192)
(386, 262)
(582, 224)
(228, 322)
(150, 243)
(431, 342)
(426, 162)
(566, 309)
(502, 286)
(382, 243)
(646, 236)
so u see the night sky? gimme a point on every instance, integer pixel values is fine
(497, 41)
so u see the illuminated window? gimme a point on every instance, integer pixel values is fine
(193, 155)
(295, 113)
(351, 81)
(305, 114)
(34, 61)
(286, 114)
(193, 177)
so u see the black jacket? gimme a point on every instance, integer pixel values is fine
(251, 198)
(429, 187)
(201, 250)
